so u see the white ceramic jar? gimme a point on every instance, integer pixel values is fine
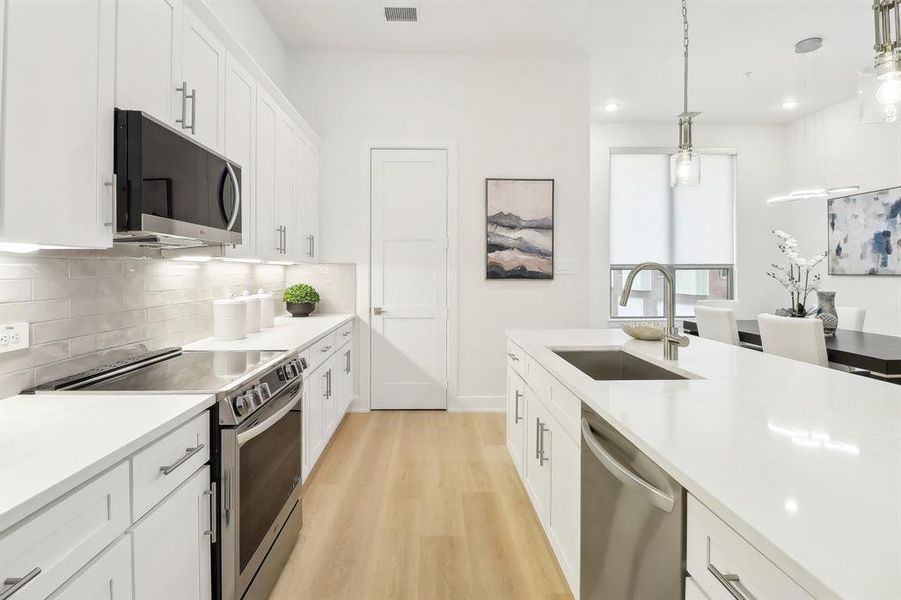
(267, 307)
(253, 311)
(229, 319)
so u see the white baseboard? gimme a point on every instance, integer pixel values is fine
(477, 404)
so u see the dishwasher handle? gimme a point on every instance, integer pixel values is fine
(661, 500)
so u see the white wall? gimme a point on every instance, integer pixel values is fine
(246, 23)
(853, 154)
(509, 118)
(760, 174)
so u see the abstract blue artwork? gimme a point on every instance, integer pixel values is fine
(865, 233)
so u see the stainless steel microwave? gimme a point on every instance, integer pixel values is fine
(170, 190)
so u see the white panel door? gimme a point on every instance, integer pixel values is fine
(409, 279)
(172, 555)
(58, 92)
(203, 69)
(147, 49)
(240, 129)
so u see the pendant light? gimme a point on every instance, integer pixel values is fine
(880, 87)
(813, 129)
(685, 164)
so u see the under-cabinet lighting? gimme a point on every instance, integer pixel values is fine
(18, 248)
(280, 262)
(189, 258)
(242, 260)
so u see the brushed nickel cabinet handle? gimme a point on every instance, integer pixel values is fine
(513, 357)
(184, 104)
(516, 417)
(537, 438)
(542, 457)
(727, 580)
(189, 452)
(18, 583)
(213, 531)
(193, 97)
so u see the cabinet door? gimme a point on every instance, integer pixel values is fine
(285, 207)
(56, 132)
(108, 577)
(516, 420)
(240, 129)
(539, 445)
(564, 458)
(312, 419)
(307, 197)
(203, 69)
(268, 236)
(147, 52)
(172, 544)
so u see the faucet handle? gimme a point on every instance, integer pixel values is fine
(678, 340)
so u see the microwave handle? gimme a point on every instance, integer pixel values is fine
(234, 178)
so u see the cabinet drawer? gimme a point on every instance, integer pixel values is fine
(108, 577)
(322, 349)
(539, 380)
(66, 536)
(516, 358)
(714, 547)
(165, 464)
(345, 332)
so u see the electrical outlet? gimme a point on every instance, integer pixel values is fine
(13, 336)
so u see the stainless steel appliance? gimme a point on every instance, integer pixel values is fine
(256, 458)
(169, 190)
(633, 520)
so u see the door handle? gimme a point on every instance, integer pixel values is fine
(18, 583)
(378, 310)
(234, 178)
(113, 185)
(184, 104)
(516, 417)
(658, 498)
(214, 521)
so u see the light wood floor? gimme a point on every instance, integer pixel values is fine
(419, 505)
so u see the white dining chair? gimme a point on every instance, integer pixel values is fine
(851, 317)
(717, 324)
(735, 306)
(799, 339)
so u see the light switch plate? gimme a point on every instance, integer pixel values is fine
(13, 336)
(564, 267)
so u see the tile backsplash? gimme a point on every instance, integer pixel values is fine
(84, 305)
(336, 284)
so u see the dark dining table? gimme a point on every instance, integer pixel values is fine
(879, 354)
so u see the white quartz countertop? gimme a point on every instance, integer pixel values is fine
(50, 444)
(804, 462)
(288, 333)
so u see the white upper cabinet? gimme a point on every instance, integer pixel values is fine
(285, 205)
(147, 57)
(307, 198)
(269, 238)
(57, 118)
(203, 71)
(240, 132)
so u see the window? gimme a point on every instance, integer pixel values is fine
(691, 230)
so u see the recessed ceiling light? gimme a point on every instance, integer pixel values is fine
(611, 106)
(789, 104)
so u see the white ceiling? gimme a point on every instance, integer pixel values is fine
(634, 46)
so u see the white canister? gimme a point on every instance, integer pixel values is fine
(267, 307)
(229, 319)
(253, 311)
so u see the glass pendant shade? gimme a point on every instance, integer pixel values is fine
(879, 96)
(685, 169)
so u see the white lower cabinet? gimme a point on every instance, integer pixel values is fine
(107, 577)
(693, 591)
(548, 461)
(312, 419)
(172, 544)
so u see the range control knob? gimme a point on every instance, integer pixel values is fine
(241, 404)
(257, 395)
(303, 363)
(291, 370)
(297, 365)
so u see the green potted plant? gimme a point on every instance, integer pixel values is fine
(300, 299)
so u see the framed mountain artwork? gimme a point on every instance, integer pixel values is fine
(865, 233)
(520, 228)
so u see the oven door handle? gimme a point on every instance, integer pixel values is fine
(246, 436)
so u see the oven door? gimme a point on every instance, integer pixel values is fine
(261, 463)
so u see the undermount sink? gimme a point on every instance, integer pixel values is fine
(614, 365)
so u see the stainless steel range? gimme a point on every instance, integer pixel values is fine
(257, 454)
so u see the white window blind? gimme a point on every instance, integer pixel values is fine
(649, 220)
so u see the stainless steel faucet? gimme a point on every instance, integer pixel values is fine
(671, 338)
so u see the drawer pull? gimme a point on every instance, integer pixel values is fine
(728, 581)
(513, 357)
(346, 333)
(189, 452)
(326, 348)
(18, 583)
(213, 531)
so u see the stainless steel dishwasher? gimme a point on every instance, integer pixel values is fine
(633, 520)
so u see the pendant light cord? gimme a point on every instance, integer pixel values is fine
(685, 56)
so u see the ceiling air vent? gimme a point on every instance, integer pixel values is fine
(401, 14)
